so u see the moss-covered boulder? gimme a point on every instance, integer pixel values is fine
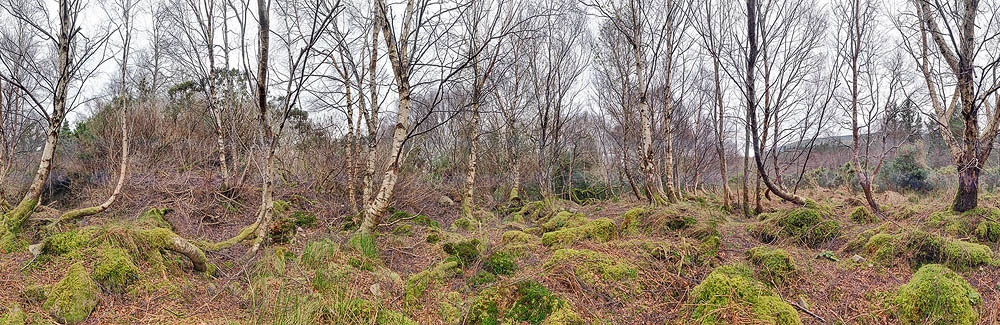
(937, 295)
(919, 248)
(115, 270)
(73, 298)
(591, 267)
(417, 284)
(804, 225)
(464, 252)
(523, 302)
(774, 263)
(564, 219)
(599, 230)
(730, 295)
(863, 216)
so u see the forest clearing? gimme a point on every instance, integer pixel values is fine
(499, 162)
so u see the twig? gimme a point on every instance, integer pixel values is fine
(807, 311)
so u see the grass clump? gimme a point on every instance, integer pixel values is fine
(730, 295)
(805, 226)
(599, 230)
(937, 295)
(115, 269)
(464, 252)
(319, 253)
(73, 298)
(523, 302)
(863, 216)
(775, 264)
(364, 244)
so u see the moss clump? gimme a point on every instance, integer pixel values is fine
(481, 278)
(13, 316)
(640, 219)
(517, 237)
(304, 219)
(863, 216)
(524, 302)
(730, 295)
(803, 225)
(465, 223)
(69, 242)
(533, 211)
(500, 263)
(775, 264)
(433, 238)
(921, 248)
(988, 231)
(115, 269)
(936, 295)
(564, 219)
(590, 266)
(631, 220)
(599, 230)
(417, 284)
(73, 298)
(464, 252)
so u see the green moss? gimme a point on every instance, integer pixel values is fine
(392, 317)
(988, 231)
(69, 242)
(153, 218)
(775, 264)
(451, 310)
(863, 216)
(591, 266)
(563, 315)
(465, 223)
(524, 302)
(465, 252)
(937, 295)
(564, 219)
(304, 219)
(730, 295)
(402, 230)
(599, 230)
(433, 237)
(921, 248)
(517, 237)
(417, 284)
(34, 293)
(500, 263)
(803, 225)
(115, 269)
(73, 298)
(13, 316)
(632, 219)
(481, 278)
(533, 211)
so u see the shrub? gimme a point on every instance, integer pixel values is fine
(936, 295)
(907, 170)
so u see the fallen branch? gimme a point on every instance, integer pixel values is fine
(807, 311)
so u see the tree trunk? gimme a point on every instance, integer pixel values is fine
(266, 211)
(470, 179)
(720, 134)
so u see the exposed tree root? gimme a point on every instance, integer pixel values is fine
(247, 233)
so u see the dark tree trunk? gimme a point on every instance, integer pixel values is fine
(968, 189)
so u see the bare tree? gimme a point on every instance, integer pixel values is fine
(48, 86)
(711, 20)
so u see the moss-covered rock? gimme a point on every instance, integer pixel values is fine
(644, 220)
(74, 297)
(599, 230)
(937, 295)
(805, 226)
(730, 295)
(464, 252)
(775, 264)
(863, 216)
(465, 223)
(500, 263)
(417, 284)
(115, 269)
(524, 302)
(988, 231)
(919, 248)
(591, 267)
(564, 219)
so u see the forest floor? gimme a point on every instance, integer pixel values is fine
(552, 262)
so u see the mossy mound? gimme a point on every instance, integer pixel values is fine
(115, 269)
(775, 264)
(73, 298)
(919, 248)
(464, 252)
(981, 223)
(863, 216)
(599, 230)
(804, 226)
(13, 316)
(564, 219)
(594, 269)
(417, 284)
(535, 211)
(936, 295)
(680, 252)
(658, 221)
(500, 263)
(730, 295)
(523, 302)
